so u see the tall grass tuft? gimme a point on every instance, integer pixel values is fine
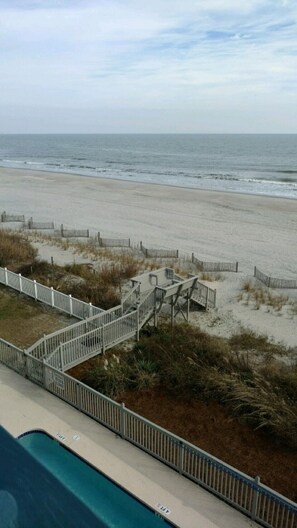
(15, 250)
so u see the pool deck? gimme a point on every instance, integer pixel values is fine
(25, 406)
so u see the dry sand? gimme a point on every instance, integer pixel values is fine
(254, 230)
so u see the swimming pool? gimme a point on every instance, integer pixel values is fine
(108, 502)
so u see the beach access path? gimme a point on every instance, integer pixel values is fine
(29, 407)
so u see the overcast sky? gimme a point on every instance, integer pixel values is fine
(87, 66)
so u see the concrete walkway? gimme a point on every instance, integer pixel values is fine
(25, 406)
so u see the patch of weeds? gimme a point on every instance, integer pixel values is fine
(211, 276)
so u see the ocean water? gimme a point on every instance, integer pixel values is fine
(257, 164)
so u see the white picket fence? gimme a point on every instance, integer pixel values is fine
(244, 493)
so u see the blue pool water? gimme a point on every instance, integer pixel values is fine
(111, 504)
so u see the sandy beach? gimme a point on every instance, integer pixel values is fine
(254, 230)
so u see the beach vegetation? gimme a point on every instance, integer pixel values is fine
(246, 373)
(15, 250)
(256, 296)
(210, 276)
(101, 287)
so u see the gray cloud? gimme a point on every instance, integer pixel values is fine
(215, 66)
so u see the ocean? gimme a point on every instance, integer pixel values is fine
(259, 164)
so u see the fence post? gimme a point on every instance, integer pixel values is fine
(177, 253)
(137, 324)
(255, 271)
(61, 357)
(103, 339)
(90, 309)
(62, 230)
(255, 499)
(181, 457)
(78, 396)
(43, 374)
(129, 242)
(70, 304)
(122, 421)
(6, 276)
(52, 297)
(44, 342)
(20, 283)
(35, 289)
(236, 267)
(192, 257)
(207, 294)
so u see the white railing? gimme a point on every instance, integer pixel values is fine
(12, 356)
(49, 296)
(147, 306)
(87, 345)
(47, 344)
(204, 295)
(131, 298)
(244, 493)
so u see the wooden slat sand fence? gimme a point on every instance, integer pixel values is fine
(114, 242)
(12, 217)
(40, 225)
(248, 495)
(74, 233)
(158, 253)
(203, 265)
(272, 282)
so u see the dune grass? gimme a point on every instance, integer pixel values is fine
(15, 250)
(189, 364)
(257, 296)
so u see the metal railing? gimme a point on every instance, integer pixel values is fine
(244, 493)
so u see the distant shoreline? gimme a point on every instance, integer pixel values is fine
(199, 189)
